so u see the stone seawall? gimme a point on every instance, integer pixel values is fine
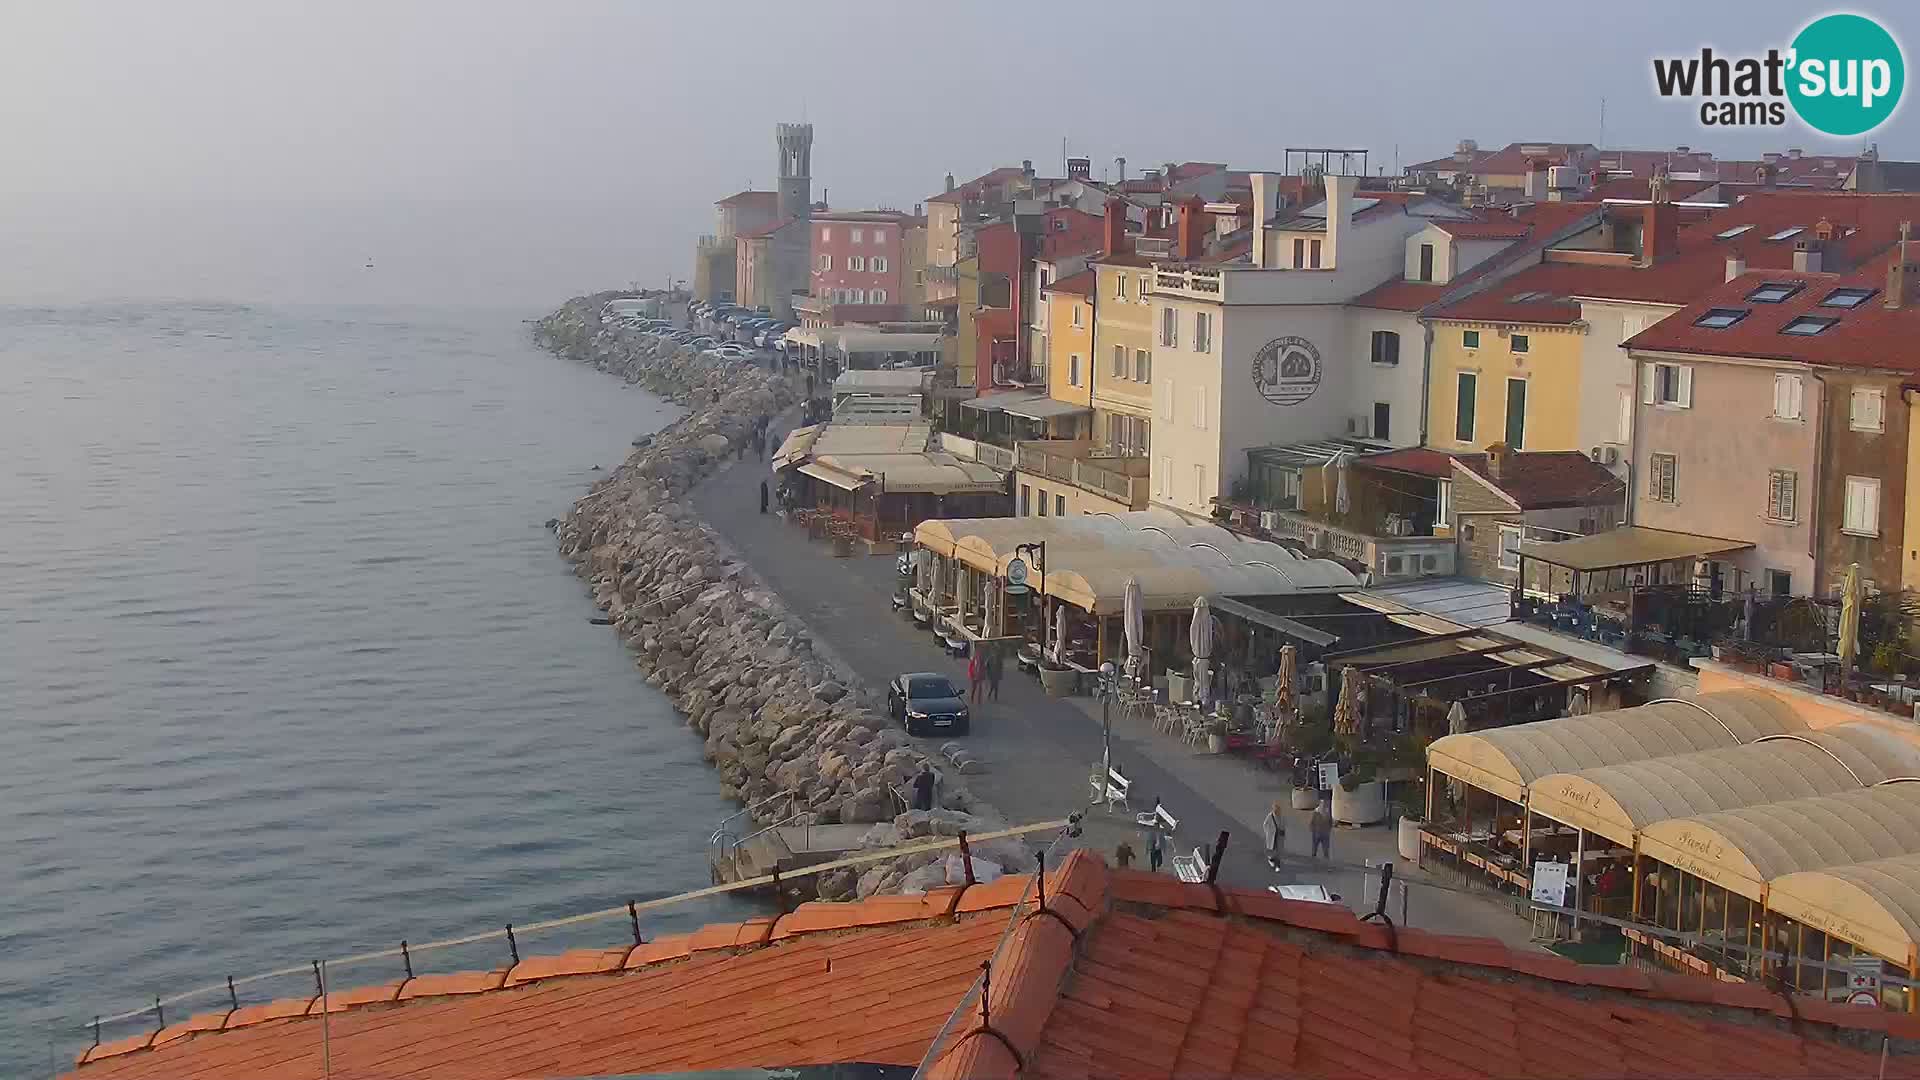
(785, 726)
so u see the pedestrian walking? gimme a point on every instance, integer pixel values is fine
(1156, 849)
(996, 665)
(809, 386)
(1274, 830)
(763, 496)
(1123, 855)
(976, 674)
(923, 788)
(1321, 826)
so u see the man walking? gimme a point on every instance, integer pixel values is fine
(923, 788)
(1321, 826)
(1156, 849)
(995, 665)
(1274, 830)
(763, 496)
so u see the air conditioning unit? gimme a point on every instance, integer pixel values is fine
(1561, 177)
(1269, 520)
(1595, 453)
(1613, 455)
(1316, 539)
(1357, 425)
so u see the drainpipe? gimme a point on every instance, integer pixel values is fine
(1819, 464)
(1426, 374)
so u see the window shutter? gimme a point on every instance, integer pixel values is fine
(1789, 482)
(1684, 386)
(1782, 397)
(1647, 375)
(1166, 402)
(1798, 389)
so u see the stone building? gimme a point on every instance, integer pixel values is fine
(773, 262)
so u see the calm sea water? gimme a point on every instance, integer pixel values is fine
(289, 667)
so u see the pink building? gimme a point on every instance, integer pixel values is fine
(860, 256)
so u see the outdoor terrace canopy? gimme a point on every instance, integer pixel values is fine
(1743, 850)
(1630, 545)
(1875, 905)
(1617, 801)
(1506, 761)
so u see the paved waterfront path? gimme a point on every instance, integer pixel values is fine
(1038, 750)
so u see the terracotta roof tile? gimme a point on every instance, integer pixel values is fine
(534, 968)
(1080, 284)
(751, 198)
(1549, 479)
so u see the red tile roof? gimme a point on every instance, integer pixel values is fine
(1863, 226)
(1400, 295)
(764, 230)
(1869, 335)
(1511, 159)
(1080, 284)
(1418, 460)
(975, 187)
(1549, 479)
(1641, 187)
(1499, 228)
(750, 198)
(898, 217)
(1130, 974)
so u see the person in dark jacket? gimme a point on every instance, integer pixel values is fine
(763, 496)
(923, 788)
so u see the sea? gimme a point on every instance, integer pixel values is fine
(290, 669)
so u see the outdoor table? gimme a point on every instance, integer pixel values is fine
(1904, 693)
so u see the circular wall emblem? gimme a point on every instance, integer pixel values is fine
(1016, 577)
(1286, 370)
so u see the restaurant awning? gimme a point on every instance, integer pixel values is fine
(1505, 761)
(991, 403)
(1617, 801)
(828, 474)
(1046, 409)
(1227, 605)
(1630, 545)
(1742, 850)
(796, 446)
(1875, 905)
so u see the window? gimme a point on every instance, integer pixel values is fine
(878, 264)
(877, 296)
(826, 262)
(1079, 315)
(826, 233)
(1847, 298)
(859, 237)
(1169, 331)
(1464, 389)
(1516, 413)
(1165, 474)
(1470, 339)
(1667, 384)
(1781, 491)
(1142, 365)
(1026, 500)
(856, 262)
(1808, 325)
(1166, 402)
(1788, 233)
(1720, 318)
(1199, 409)
(1728, 234)
(1426, 262)
(1202, 332)
(1200, 492)
(1073, 370)
(1786, 397)
(1518, 343)
(1443, 504)
(1043, 502)
(1774, 292)
(1119, 361)
(1382, 420)
(919, 277)
(1386, 347)
(1624, 432)
(1142, 294)
(1869, 409)
(857, 296)
(1059, 506)
(1863, 506)
(1299, 253)
(1059, 224)
(1509, 547)
(1313, 254)
(1780, 582)
(1662, 473)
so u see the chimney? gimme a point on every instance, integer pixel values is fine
(1119, 170)
(1190, 235)
(1498, 458)
(1899, 274)
(1340, 191)
(1079, 168)
(1660, 232)
(1768, 175)
(1682, 149)
(1117, 242)
(1266, 186)
(1736, 265)
(1807, 257)
(949, 181)
(1794, 154)
(1536, 188)
(1026, 167)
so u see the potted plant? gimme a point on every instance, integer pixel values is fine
(1359, 798)
(1057, 681)
(1216, 736)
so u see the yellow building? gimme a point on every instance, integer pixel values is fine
(1122, 392)
(1910, 566)
(1507, 380)
(1070, 313)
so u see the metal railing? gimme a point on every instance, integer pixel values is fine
(993, 457)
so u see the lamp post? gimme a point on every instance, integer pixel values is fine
(1037, 554)
(1107, 672)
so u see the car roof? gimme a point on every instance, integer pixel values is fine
(926, 675)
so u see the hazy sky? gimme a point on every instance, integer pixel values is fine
(514, 153)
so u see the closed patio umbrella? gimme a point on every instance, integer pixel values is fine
(1457, 719)
(1200, 638)
(1060, 634)
(1131, 617)
(1849, 647)
(1342, 504)
(1346, 713)
(1283, 683)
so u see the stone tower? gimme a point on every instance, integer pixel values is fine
(796, 170)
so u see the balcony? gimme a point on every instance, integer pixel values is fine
(1388, 557)
(1194, 284)
(1122, 479)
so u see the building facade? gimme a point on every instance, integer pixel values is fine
(715, 265)
(774, 262)
(861, 257)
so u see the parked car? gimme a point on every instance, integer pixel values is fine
(927, 703)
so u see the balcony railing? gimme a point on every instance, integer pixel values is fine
(1195, 283)
(1390, 558)
(993, 457)
(1108, 477)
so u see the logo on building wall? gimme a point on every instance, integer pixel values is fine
(1842, 75)
(1287, 370)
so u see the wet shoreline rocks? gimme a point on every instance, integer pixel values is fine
(787, 729)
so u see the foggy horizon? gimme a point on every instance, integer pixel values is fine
(498, 154)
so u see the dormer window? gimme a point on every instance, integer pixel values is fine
(1788, 233)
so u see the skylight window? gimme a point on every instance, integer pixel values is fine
(1525, 297)
(1731, 233)
(1809, 325)
(1773, 292)
(1847, 298)
(1788, 233)
(1720, 318)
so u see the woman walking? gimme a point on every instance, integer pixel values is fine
(976, 674)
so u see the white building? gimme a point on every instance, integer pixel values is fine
(1271, 347)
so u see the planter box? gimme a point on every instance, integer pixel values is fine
(1410, 839)
(1781, 671)
(1366, 804)
(1178, 687)
(1058, 682)
(1305, 798)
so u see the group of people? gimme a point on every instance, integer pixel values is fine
(984, 669)
(1274, 831)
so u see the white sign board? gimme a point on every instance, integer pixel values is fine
(1863, 974)
(1864, 997)
(1550, 883)
(1329, 775)
(1016, 577)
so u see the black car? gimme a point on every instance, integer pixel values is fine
(927, 703)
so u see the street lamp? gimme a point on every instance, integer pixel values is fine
(1017, 584)
(1107, 687)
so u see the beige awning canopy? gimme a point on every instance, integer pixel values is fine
(796, 446)
(1505, 761)
(1631, 545)
(1617, 801)
(1743, 850)
(1875, 905)
(826, 473)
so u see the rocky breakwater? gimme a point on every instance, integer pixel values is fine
(790, 732)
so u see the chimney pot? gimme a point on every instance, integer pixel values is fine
(1794, 153)
(1736, 265)
(1026, 166)
(1116, 240)
(949, 181)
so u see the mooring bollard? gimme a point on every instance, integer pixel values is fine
(512, 945)
(233, 996)
(633, 914)
(406, 958)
